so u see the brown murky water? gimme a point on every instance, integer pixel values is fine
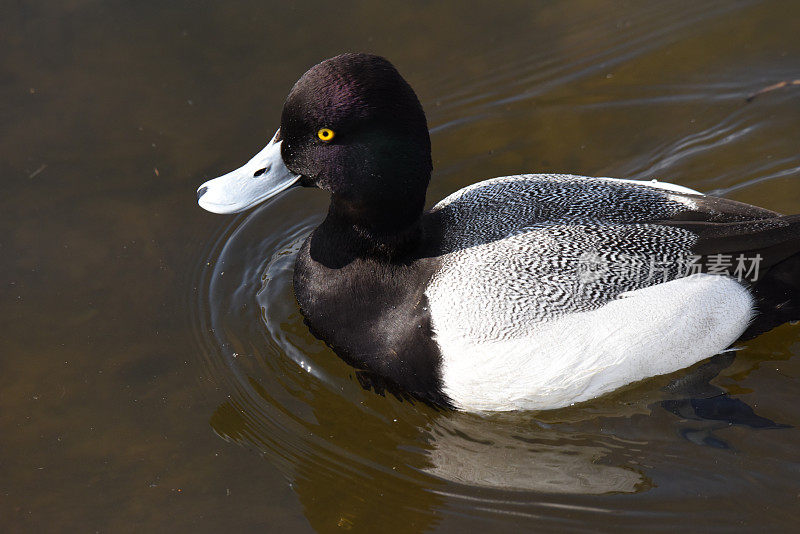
(155, 373)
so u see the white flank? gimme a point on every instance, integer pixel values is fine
(579, 356)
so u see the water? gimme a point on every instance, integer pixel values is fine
(155, 371)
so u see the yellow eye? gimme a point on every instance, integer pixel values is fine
(325, 134)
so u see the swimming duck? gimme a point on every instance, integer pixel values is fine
(523, 292)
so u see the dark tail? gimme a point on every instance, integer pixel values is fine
(777, 295)
(776, 243)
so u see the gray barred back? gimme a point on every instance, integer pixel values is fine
(524, 250)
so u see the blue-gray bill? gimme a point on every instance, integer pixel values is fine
(264, 176)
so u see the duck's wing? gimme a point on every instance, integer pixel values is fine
(496, 208)
(537, 267)
(555, 244)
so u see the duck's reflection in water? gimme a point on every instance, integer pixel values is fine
(509, 457)
(375, 470)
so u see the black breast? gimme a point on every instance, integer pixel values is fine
(373, 313)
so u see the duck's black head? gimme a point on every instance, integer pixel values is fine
(352, 126)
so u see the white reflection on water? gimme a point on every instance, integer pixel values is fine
(503, 461)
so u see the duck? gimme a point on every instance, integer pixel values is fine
(525, 292)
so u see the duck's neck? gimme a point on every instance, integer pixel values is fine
(388, 234)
